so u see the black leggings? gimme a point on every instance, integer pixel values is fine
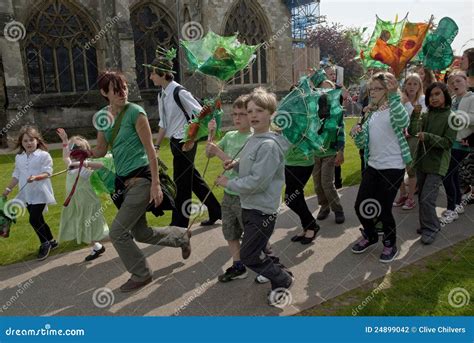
(37, 221)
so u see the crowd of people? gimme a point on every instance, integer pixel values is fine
(407, 127)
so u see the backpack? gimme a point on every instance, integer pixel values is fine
(177, 99)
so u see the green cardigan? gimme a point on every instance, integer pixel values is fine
(399, 119)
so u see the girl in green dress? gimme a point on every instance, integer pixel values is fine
(83, 218)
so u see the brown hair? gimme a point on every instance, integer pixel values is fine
(457, 72)
(165, 64)
(416, 77)
(262, 98)
(81, 142)
(429, 78)
(240, 101)
(119, 82)
(33, 133)
(470, 61)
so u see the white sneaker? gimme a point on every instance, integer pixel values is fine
(459, 209)
(261, 279)
(449, 216)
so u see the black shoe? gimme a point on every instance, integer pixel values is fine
(94, 254)
(131, 285)
(338, 185)
(297, 238)
(323, 215)
(233, 273)
(209, 222)
(340, 217)
(44, 250)
(307, 240)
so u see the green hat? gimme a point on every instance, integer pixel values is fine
(163, 60)
(318, 77)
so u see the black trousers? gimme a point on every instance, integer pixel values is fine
(374, 202)
(188, 181)
(37, 221)
(295, 180)
(451, 180)
(258, 227)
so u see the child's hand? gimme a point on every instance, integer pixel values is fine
(61, 133)
(211, 127)
(211, 149)
(339, 158)
(421, 136)
(356, 130)
(222, 181)
(230, 164)
(31, 179)
(73, 165)
(392, 84)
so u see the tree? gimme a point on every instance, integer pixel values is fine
(334, 41)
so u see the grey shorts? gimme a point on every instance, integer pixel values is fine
(232, 225)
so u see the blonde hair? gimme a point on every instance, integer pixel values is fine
(263, 98)
(80, 141)
(414, 76)
(329, 82)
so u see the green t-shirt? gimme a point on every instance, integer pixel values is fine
(296, 158)
(231, 143)
(128, 151)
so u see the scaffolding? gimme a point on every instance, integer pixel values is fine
(305, 16)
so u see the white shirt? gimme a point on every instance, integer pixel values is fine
(384, 148)
(36, 192)
(172, 119)
(421, 101)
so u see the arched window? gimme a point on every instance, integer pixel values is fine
(151, 26)
(244, 18)
(58, 52)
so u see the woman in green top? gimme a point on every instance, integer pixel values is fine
(124, 127)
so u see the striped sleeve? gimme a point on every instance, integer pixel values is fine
(398, 114)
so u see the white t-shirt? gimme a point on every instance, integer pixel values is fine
(421, 101)
(37, 192)
(172, 119)
(384, 148)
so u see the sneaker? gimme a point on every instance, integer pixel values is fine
(459, 209)
(95, 254)
(448, 217)
(54, 244)
(400, 202)
(281, 296)
(233, 273)
(261, 279)
(410, 204)
(323, 214)
(44, 250)
(339, 217)
(388, 254)
(362, 245)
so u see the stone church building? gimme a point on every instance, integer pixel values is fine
(50, 60)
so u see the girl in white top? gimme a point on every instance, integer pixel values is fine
(33, 167)
(414, 101)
